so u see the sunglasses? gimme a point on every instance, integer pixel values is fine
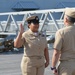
(34, 22)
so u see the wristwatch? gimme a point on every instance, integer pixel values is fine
(53, 68)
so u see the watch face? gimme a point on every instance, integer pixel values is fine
(53, 68)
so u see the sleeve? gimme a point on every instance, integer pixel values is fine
(23, 35)
(23, 38)
(58, 41)
(46, 43)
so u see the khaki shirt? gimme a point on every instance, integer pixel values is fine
(65, 42)
(34, 45)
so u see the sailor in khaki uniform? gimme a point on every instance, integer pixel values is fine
(36, 56)
(64, 46)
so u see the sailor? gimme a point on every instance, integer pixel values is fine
(36, 56)
(64, 46)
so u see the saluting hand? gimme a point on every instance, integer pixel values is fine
(21, 28)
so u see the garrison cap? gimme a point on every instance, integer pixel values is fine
(70, 12)
(33, 19)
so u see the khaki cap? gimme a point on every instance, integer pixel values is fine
(70, 12)
(32, 18)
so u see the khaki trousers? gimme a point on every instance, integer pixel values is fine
(32, 66)
(67, 67)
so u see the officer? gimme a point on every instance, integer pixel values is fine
(36, 56)
(64, 46)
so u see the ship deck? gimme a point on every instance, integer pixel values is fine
(10, 63)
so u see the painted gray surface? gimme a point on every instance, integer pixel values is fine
(6, 5)
(10, 63)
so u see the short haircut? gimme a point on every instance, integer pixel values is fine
(71, 19)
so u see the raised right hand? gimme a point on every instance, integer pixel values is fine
(21, 28)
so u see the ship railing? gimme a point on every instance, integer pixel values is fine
(48, 21)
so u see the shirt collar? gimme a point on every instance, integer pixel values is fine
(33, 33)
(70, 25)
